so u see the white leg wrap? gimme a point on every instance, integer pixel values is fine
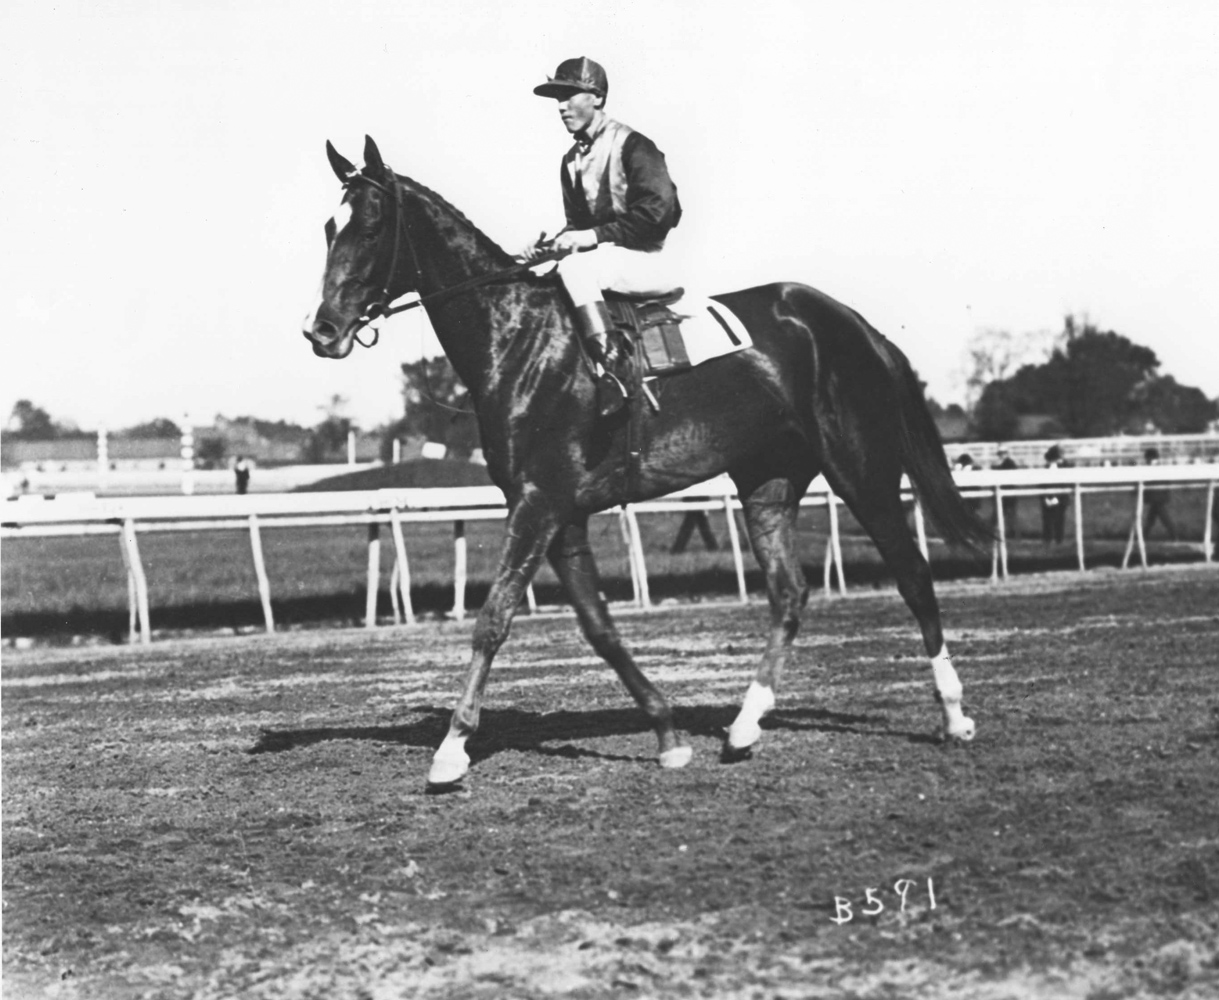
(450, 762)
(677, 757)
(745, 731)
(957, 725)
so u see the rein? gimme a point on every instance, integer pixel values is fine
(381, 306)
(477, 282)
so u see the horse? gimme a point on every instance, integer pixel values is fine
(819, 392)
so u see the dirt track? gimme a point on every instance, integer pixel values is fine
(245, 817)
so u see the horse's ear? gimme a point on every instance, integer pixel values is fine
(372, 156)
(338, 163)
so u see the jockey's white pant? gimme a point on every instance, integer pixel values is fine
(639, 272)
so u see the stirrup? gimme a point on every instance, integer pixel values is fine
(611, 394)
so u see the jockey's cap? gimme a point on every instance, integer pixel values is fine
(575, 75)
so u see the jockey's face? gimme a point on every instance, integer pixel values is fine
(578, 109)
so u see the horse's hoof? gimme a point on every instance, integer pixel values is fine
(742, 736)
(448, 768)
(735, 755)
(962, 732)
(677, 757)
(449, 789)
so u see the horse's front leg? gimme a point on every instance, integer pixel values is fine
(532, 524)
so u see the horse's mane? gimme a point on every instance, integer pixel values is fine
(482, 239)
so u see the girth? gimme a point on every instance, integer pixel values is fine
(647, 344)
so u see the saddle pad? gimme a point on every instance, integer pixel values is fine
(709, 328)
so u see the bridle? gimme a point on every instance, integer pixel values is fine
(381, 306)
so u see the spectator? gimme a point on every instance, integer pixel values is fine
(241, 469)
(965, 463)
(1011, 525)
(1054, 505)
(694, 519)
(1155, 501)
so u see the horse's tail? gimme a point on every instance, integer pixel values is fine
(923, 458)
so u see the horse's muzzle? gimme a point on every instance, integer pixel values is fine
(328, 341)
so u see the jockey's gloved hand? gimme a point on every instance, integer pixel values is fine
(534, 250)
(572, 240)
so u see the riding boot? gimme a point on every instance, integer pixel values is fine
(593, 322)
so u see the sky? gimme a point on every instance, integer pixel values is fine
(943, 168)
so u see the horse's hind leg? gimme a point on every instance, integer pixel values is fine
(770, 513)
(878, 507)
(573, 562)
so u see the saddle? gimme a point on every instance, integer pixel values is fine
(649, 336)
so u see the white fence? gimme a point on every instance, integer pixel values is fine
(1180, 449)
(146, 482)
(127, 517)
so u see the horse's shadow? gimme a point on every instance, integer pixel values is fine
(558, 734)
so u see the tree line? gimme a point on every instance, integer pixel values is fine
(1082, 382)
(1090, 382)
(324, 441)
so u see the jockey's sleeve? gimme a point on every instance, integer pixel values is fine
(652, 208)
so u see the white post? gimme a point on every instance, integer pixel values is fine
(132, 550)
(260, 570)
(351, 447)
(395, 599)
(133, 615)
(1208, 527)
(836, 541)
(1136, 529)
(828, 569)
(531, 602)
(921, 528)
(1138, 524)
(998, 566)
(459, 570)
(738, 561)
(188, 456)
(402, 566)
(374, 575)
(397, 452)
(1079, 525)
(635, 546)
(103, 458)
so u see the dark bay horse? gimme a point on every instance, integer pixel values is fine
(820, 391)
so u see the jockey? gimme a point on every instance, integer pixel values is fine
(619, 203)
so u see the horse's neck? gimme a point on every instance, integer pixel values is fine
(449, 249)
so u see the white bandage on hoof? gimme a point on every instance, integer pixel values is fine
(745, 730)
(677, 757)
(957, 725)
(450, 762)
(961, 729)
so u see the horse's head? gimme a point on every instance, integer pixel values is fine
(363, 239)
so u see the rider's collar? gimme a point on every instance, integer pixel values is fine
(586, 137)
